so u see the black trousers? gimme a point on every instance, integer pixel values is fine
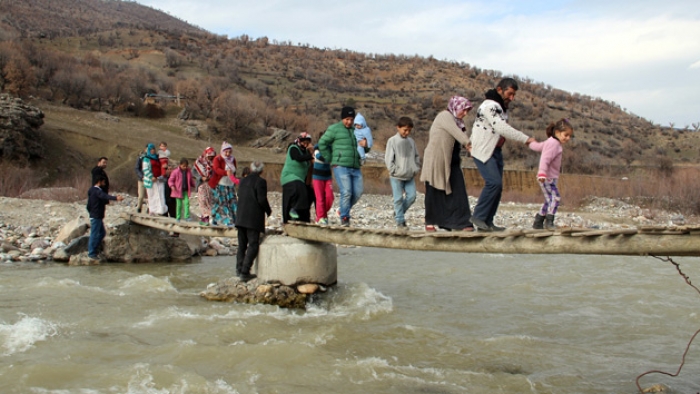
(248, 247)
(297, 195)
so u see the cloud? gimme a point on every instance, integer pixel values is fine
(695, 65)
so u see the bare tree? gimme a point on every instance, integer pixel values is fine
(19, 75)
(235, 111)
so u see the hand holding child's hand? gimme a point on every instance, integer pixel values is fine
(120, 198)
(530, 140)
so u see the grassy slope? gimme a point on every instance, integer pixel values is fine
(75, 139)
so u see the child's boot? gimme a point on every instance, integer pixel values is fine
(549, 222)
(539, 222)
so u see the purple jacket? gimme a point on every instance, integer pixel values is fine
(175, 183)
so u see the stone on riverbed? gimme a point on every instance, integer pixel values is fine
(289, 270)
(251, 292)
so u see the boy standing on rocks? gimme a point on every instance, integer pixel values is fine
(403, 162)
(97, 200)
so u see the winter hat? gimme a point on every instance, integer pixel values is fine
(303, 137)
(209, 151)
(347, 112)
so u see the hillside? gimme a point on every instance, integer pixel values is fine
(96, 57)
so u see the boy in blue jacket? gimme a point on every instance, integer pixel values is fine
(97, 200)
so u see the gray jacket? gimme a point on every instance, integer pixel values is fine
(402, 158)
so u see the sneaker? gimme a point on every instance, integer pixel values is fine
(322, 222)
(481, 225)
(293, 214)
(345, 222)
(401, 227)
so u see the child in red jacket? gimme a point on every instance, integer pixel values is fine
(181, 184)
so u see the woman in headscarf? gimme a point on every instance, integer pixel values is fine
(155, 188)
(222, 183)
(446, 199)
(296, 195)
(203, 167)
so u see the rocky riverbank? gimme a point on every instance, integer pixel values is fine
(30, 228)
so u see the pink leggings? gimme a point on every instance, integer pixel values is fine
(323, 189)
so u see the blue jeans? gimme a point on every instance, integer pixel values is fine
(97, 234)
(401, 202)
(350, 184)
(490, 198)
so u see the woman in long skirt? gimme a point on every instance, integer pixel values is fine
(155, 189)
(223, 184)
(446, 199)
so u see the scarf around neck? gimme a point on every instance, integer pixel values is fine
(493, 95)
(203, 163)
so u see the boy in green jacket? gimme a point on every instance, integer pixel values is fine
(339, 146)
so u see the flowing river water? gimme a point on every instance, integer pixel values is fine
(397, 322)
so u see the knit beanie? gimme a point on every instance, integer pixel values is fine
(347, 112)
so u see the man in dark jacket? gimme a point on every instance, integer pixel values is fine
(339, 147)
(97, 200)
(250, 220)
(99, 171)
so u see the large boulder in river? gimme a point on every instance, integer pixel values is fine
(19, 138)
(130, 243)
(72, 230)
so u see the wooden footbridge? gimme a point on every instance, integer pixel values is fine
(633, 241)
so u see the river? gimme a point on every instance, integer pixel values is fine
(397, 322)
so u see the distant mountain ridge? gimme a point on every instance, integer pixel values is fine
(107, 55)
(51, 18)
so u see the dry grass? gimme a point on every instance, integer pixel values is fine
(15, 181)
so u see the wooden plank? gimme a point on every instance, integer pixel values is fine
(516, 243)
(596, 233)
(662, 241)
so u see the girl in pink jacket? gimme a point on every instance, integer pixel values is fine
(181, 184)
(559, 133)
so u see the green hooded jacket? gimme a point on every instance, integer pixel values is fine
(339, 146)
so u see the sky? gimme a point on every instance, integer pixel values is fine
(643, 55)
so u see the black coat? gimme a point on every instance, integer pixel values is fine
(252, 203)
